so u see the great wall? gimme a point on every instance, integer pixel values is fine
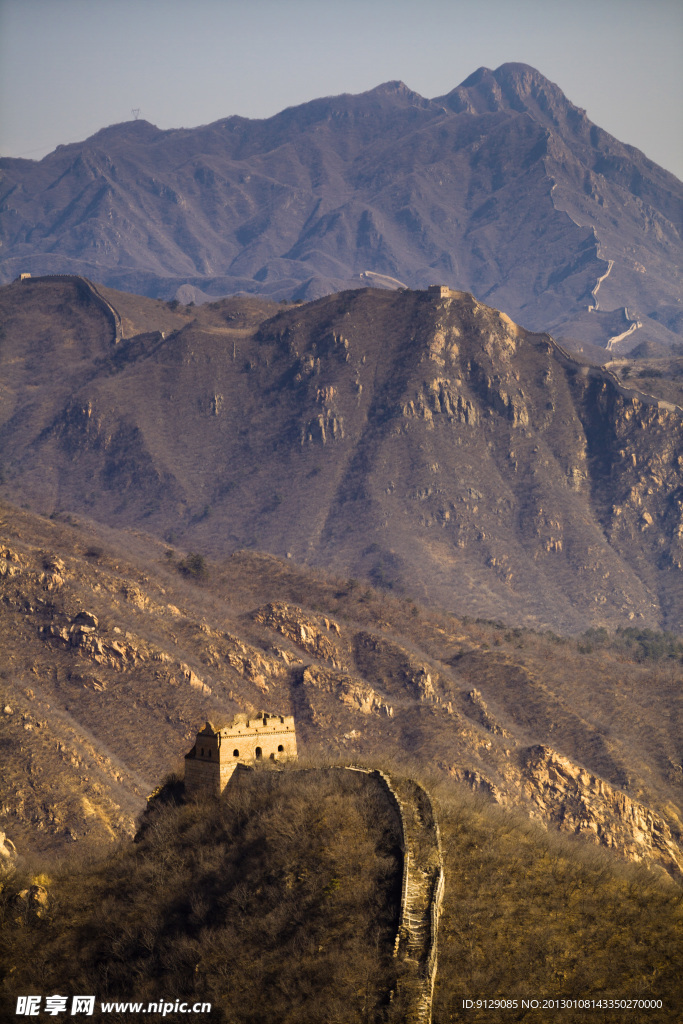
(436, 291)
(569, 361)
(422, 886)
(91, 290)
(210, 767)
(602, 373)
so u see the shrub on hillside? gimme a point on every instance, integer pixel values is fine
(194, 566)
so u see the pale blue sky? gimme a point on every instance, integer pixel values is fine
(70, 67)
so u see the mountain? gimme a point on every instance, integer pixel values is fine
(422, 441)
(502, 187)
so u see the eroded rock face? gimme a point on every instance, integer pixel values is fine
(355, 694)
(477, 782)
(311, 633)
(82, 634)
(87, 619)
(442, 396)
(193, 679)
(570, 796)
(477, 709)
(55, 573)
(222, 647)
(399, 672)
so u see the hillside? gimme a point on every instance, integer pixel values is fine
(282, 899)
(427, 444)
(117, 649)
(502, 187)
(281, 903)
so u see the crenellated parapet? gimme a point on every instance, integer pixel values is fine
(218, 750)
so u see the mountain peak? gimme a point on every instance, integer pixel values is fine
(512, 86)
(397, 90)
(304, 202)
(475, 78)
(391, 88)
(136, 130)
(516, 70)
(522, 75)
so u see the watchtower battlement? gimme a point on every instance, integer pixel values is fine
(441, 291)
(218, 751)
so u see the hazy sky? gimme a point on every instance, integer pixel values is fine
(70, 67)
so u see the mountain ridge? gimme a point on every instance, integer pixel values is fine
(425, 442)
(501, 187)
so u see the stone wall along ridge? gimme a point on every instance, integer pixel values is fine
(422, 886)
(602, 373)
(109, 311)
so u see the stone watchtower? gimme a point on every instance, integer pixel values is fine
(218, 751)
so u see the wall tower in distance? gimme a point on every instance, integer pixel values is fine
(219, 750)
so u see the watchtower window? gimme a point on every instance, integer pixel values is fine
(280, 748)
(235, 753)
(202, 751)
(257, 753)
(209, 753)
(272, 757)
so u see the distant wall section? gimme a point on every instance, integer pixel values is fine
(112, 315)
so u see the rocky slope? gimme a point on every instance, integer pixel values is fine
(115, 657)
(502, 187)
(428, 444)
(567, 794)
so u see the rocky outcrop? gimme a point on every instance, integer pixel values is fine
(31, 903)
(8, 855)
(355, 694)
(477, 782)
(55, 573)
(134, 595)
(312, 634)
(577, 801)
(476, 708)
(324, 427)
(401, 674)
(191, 677)
(250, 662)
(442, 397)
(84, 635)
(10, 562)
